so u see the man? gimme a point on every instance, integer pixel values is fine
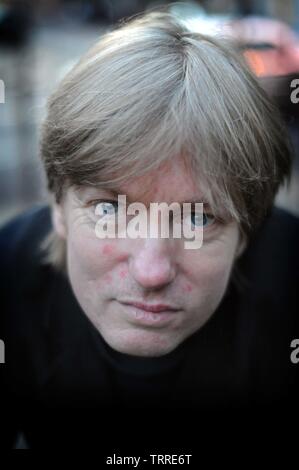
(96, 326)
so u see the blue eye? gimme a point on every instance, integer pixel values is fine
(201, 220)
(106, 207)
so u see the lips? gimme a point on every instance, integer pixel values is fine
(148, 315)
(152, 308)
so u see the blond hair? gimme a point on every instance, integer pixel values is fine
(151, 90)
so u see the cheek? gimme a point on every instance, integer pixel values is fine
(95, 259)
(93, 268)
(107, 249)
(207, 275)
(85, 256)
(217, 275)
(187, 288)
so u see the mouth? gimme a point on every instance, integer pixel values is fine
(152, 308)
(150, 314)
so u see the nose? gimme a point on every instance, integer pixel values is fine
(152, 265)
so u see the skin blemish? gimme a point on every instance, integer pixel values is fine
(187, 288)
(121, 257)
(107, 249)
(123, 273)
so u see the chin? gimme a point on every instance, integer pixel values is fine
(142, 344)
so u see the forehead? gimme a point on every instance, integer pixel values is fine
(171, 182)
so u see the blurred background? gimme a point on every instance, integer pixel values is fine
(40, 40)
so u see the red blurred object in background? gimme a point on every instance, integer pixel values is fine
(271, 47)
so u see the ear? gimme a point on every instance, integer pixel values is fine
(58, 220)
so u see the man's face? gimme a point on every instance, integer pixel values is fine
(146, 295)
